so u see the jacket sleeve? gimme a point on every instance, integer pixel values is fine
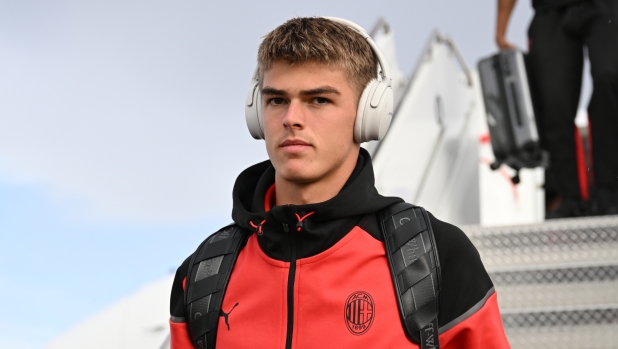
(179, 335)
(482, 328)
(469, 315)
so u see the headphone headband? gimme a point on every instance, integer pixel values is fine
(384, 69)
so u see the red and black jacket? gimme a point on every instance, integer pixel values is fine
(306, 266)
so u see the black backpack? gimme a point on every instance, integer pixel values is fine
(412, 257)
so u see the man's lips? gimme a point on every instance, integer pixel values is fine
(289, 142)
(294, 145)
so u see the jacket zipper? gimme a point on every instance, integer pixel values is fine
(291, 277)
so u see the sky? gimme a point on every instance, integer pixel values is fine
(122, 131)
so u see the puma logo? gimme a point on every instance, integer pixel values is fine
(225, 315)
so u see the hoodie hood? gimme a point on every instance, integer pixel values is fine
(316, 226)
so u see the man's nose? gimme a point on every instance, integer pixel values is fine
(295, 115)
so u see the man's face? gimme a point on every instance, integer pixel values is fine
(308, 112)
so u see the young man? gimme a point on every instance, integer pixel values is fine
(313, 271)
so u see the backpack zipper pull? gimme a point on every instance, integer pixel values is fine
(285, 227)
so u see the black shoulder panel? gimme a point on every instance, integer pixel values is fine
(465, 281)
(177, 306)
(207, 278)
(415, 268)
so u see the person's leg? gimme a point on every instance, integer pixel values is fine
(555, 69)
(602, 42)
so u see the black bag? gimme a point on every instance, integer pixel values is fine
(510, 114)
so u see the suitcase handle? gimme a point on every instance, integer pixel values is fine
(515, 97)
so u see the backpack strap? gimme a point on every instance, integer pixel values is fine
(415, 268)
(207, 278)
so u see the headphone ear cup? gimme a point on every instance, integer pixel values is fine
(383, 114)
(375, 112)
(359, 123)
(253, 109)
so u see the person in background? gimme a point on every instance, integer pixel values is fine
(558, 37)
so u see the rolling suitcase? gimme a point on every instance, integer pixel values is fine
(510, 115)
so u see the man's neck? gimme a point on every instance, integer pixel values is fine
(313, 192)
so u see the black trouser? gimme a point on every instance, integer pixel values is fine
(557, 39)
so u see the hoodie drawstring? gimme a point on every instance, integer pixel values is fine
(299, 225)
(258, 228)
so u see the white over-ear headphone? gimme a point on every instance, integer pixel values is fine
(375, 107)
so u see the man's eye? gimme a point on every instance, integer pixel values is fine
(276, 101)
(321, 100)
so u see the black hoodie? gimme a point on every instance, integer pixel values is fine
(332, 219)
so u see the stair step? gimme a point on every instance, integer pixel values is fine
(582, 240)
(562, 327)
(566, 337)
(556, 295)
(555, 274)
(551, 285)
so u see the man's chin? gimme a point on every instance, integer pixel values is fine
(297, 175)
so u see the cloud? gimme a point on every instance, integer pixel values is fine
(120, 117)
(23, 336)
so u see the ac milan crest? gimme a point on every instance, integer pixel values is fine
(359, 312)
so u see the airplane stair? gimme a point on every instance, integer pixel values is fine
(557, 282)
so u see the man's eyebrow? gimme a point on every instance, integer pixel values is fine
(320, 91)
(272, 91)
(314, 91)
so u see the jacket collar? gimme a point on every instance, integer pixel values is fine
(317, 226)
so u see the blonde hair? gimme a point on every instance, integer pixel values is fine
(315, 39)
